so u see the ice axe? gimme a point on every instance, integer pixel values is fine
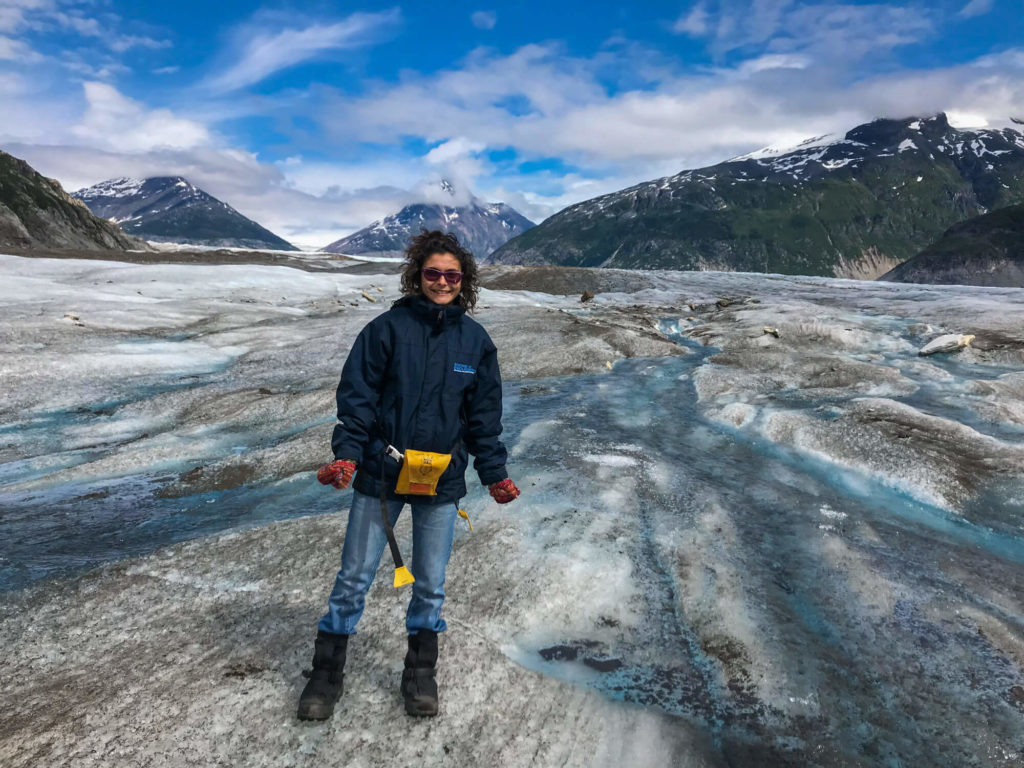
(403, 575)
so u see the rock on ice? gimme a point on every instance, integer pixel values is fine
(949, 342)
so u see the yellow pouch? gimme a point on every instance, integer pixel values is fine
(420, 472)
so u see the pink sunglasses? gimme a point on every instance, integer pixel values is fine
(452, 277)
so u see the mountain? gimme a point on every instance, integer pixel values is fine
(36, 212)
(986, 250)
(844, 206)
(170, 209)
(481, 227)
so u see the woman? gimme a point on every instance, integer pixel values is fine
(421, 376)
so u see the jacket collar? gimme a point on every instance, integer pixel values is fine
(437, 315)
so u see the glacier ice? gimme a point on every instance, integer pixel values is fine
(731, 548)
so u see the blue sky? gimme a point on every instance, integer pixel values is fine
(316, 118)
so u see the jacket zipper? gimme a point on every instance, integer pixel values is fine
(423, 381)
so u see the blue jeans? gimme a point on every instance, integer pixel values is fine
(433, 530)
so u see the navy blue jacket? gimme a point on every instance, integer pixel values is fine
(422, 376)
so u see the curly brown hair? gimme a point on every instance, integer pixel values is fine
(426, 244)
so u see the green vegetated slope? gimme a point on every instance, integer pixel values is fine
(36, 212)
(986, 250)
(852, 206)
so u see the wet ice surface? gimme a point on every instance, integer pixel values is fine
(768, 595)
(803, 550)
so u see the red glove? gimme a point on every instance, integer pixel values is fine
(504, 492)
(337, 473)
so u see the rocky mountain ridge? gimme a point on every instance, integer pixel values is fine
(36, 212)
(480, 226)
(846, 206)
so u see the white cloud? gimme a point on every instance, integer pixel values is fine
(747, 22)
(831, 30)
(771, 61)
(17, 50)
(459, 162)
(32, 114)
(565, 111)
(94, 68)
(849, 33)
(83, 25)
(1013, 58)
(122, 43)
(14, 14)
(114, 121)
(330, 179)
(990, 93)
(13, 85)
(966, 120)
(976, 8)
(36, 22)
(484, 19)
(454, 149)
(269, 49)
(695, 23)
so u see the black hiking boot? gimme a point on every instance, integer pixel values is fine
(418, 684)
(326, 679)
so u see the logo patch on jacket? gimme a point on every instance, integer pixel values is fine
(463, 368)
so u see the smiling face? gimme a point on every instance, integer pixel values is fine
(440, 292)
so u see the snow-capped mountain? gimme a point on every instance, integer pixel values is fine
(170, 209)
(36, 212)
(853, 205)
(481, 227)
